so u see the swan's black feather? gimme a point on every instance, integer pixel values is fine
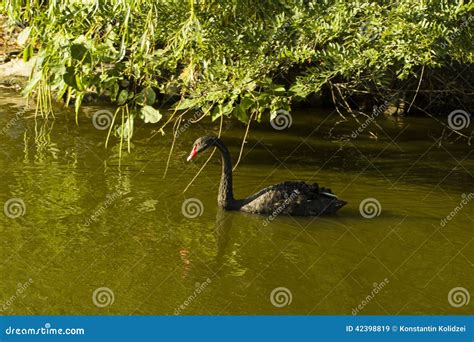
(292, 198)
(286, 198)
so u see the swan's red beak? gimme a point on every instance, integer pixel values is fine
(193, 154)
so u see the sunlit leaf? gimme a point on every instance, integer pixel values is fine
(126, 131)
(23, 36)
(241, 113)
(37, 75)
(150, 114)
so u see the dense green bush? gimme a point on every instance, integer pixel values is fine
(237, 57)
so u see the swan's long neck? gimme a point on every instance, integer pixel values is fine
(225, 198)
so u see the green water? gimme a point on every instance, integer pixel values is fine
(88, 224)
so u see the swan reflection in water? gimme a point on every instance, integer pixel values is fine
(222, 230)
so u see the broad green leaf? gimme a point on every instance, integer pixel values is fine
(299, 90)
(126, 131)
(279, 89)
(246, 103)
(37, 75)
(123, 96)
(23, 36)
(79, 52)
(216, 112)
(241, 113)
(146, 97)
(220, 110)
(69, 77)
(150, 114)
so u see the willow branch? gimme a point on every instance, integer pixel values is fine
(175, 132)
(243, 143)
(208, 159)
(417, 89)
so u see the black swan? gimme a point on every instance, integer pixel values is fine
(287, 198)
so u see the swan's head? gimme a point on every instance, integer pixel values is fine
(201, 144)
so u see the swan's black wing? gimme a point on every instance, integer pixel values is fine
(292, 198)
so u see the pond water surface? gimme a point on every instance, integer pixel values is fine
(98, 239)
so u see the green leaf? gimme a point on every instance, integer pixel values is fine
(123, 96)
(185, 104)
(150, 114)
(23, 36)
(80, 86)
(216, 112)
(299, 90)
(146, 97)
(79, 52)
(37, 75)
(114, 91)
(246, 103)
(77, 105)
(222, 110)
(241, 113)
(206, 108)
(28, 53)
(126, 131)
(69, 77)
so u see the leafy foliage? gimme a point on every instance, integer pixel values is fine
(235, 57)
